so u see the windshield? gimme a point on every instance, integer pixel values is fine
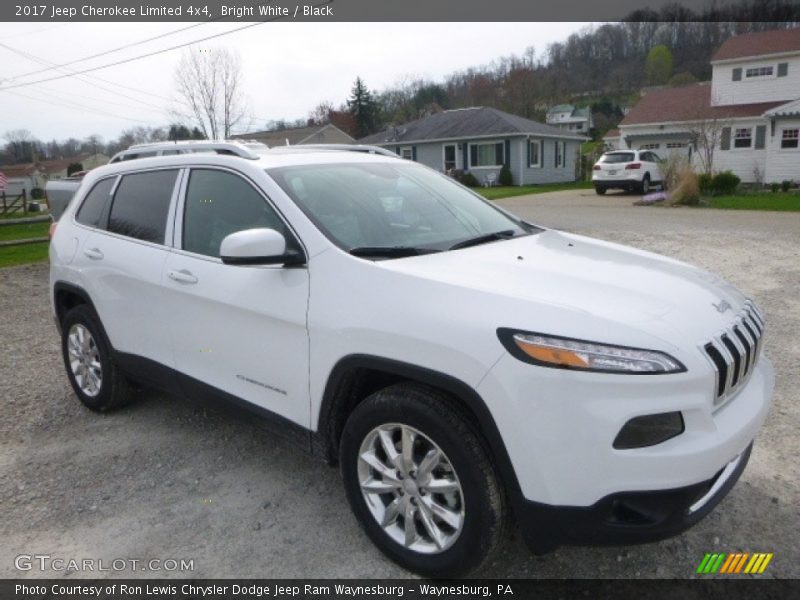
(367, 208)
(617, 157)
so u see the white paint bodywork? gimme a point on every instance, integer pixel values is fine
(272, 335)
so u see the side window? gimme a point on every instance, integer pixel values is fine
(95, 203)
(141, 204)
(219, 203)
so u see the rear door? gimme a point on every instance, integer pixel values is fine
(122, 260)
(239, 329)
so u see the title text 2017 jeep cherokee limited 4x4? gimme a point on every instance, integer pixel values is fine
(458, 363)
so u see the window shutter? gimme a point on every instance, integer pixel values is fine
(473, 156)
(783, 69)
(397, 149)
(761, 135)
(529, 152)
(414, 153)
(507, 154)
(555, 153)
(541, 153)
(737, 74)
(725, 139)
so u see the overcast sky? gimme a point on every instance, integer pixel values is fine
(288, 67)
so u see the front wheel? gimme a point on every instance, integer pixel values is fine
(420, 481)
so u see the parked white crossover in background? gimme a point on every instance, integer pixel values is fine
(457, 362)
(632, 170)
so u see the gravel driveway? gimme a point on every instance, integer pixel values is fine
(165, 479)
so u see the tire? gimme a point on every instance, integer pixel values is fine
(599, 190)
(470, 530)
(95, 378)
(645, 185)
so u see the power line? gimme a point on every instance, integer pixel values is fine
(132, 59)
(99, 54)
(74, 106)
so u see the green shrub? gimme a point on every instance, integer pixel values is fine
(785, 185)
(505, 176)
(37, 193)
(469, 180)
(704, 181)
(774, 187)
(725, 183)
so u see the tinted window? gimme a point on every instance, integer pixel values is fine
(219, 203)
(141, 204)
(617, 157)
(94, 206)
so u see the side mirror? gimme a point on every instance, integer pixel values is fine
(260, 246)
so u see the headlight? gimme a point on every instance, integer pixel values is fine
(568, 353)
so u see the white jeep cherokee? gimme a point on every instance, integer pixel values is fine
(458, 363)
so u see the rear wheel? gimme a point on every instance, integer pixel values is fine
(645, 186)
(420, 481)
(599, 190)
(96, 379)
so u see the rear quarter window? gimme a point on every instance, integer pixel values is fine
(141, 204)
(94, 205)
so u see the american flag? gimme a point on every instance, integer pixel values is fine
(3, 181)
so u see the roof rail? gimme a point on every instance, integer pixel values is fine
(244, 149)
(365, 148)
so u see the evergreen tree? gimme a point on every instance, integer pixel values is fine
(363, 108)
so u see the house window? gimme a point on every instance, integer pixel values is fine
(743, 137)
(650, 147)
(789, 138)
(673, 145)
(758, 72)
(561, 159)
(407, 152)
(535, 153)
(486, 155)
(450, 154)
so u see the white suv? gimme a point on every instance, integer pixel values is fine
(458, 363)
(632, 170)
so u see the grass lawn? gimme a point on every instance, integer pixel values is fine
(26, 230)
(762, 201)
(497, 192)
(20, 255)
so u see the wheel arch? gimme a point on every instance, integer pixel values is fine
(67, 296)
(357, 376)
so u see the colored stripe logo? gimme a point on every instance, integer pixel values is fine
(734, 564)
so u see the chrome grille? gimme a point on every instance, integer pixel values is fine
(734, 351)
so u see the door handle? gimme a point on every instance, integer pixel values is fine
(182, 276)
(93, 253)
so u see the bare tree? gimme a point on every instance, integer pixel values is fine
(706, 131)
(209, 86)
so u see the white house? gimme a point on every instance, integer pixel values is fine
(751, 108)
(566, 116)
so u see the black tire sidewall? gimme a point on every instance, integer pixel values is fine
(473, 543)
(85, 316)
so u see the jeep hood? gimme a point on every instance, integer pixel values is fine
(579, 274)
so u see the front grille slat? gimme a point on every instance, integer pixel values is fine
(734, 352)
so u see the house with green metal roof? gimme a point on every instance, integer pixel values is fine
(571, 118)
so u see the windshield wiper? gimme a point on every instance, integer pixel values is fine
(483, 239)
(390, 251)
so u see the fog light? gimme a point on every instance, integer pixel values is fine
(649, 430)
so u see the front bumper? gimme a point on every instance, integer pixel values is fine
(627, 517)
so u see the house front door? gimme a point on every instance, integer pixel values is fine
(449, 157)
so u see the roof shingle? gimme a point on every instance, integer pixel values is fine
(688, 103)
(759, 44)
(464, 123)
